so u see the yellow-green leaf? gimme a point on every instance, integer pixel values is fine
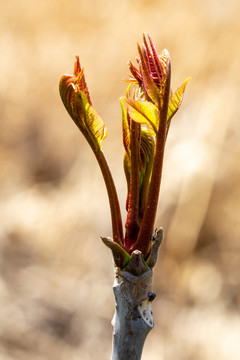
(176, 99)
(147, 145)
(94, 122)
(88, 118)
(125, 128)
(143, 112)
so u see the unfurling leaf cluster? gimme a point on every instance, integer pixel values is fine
(147, 111)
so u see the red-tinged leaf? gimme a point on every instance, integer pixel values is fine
(67, 93)
(136, 76)
(159, 70)
(148, 84)
(176, 99)
(75, 96)
(143, 112)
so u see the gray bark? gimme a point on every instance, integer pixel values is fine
(133, 318)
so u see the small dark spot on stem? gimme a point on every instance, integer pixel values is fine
(151, 296)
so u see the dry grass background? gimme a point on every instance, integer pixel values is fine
(56, 300)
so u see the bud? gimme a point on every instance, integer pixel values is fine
(76, 99)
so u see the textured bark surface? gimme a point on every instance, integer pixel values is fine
(133, 317)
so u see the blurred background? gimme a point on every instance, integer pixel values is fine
(56, 299)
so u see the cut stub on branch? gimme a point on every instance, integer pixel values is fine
(156, 242)
(120, 256)
(135, 264)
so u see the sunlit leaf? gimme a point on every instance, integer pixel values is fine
(143, 112)
(84, 115)
(79, 107)
(93, 121)
(128, 91)
(176, 99)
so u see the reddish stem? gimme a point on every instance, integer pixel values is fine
(132, 221)
(147, 226)
(116, 217)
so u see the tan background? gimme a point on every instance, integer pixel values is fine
(56, 300)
